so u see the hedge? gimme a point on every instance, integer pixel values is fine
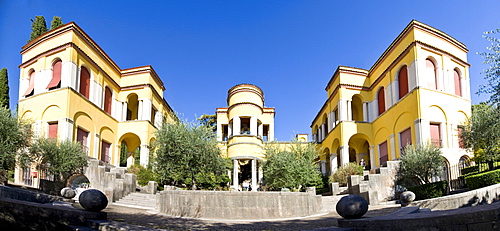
(483, 179)
(431, 190)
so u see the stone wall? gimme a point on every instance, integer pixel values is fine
(113, 181)
(480, 196)
(24, 195)
(376, 188)
(238, 205)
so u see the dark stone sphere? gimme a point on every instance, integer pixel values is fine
(93, 200)
(407, 197)
(68, 193)
(352, 207)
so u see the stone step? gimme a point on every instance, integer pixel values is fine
(138, 200)
(115, 225)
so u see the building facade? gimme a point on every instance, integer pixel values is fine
(242, 129)
(418, 91)
(71, 89)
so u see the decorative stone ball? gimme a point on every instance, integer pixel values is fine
(93, 200)
(352, 207)
(68, 193)
(407, 197)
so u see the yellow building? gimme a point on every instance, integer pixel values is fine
(242, 129)
(417, 91)
(71, 89)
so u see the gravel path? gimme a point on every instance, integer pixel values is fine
(145, 218)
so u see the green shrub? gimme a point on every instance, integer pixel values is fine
(144, 175)
(470, 169)
(345, 171)
(431, 190)
(482, 179)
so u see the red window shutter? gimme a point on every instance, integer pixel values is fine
(384, 154)
(105, 146)
(403, 82)
(56, 75)
(31, 84)
(85, 82)
(381, 101)
(53, 130)
(436, 135)
(405, 137)
(107, 100)
(460, 141)
(458, 86)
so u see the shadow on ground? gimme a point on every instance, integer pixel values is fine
(143, 218)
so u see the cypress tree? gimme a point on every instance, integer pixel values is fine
(56, 22)
(38, 27)
(4, 88)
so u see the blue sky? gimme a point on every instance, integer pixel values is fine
(290, 49)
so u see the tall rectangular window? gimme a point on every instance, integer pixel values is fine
(460, 141)
(82, 138)
(383, 153)
(52, 130)
(405, 138)
(436, 135)
(105, 151)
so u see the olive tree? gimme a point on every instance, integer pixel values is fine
(291, 166)
(186, 154)
(420, 163)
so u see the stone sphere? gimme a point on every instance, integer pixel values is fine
(93, 200)
(68, 193)
(352, 207)
(407, 197)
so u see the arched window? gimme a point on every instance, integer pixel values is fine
(31, 87)
(430, 72)
(85, 82)
(381, 100)
(55, 82)
(458, 85)
(403, 82)
(107, 100)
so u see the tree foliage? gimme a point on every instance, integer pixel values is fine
(292, 167)
(492, 73)
(344, 172)
(4, 88)
(481, 132)
(14, 138)
(38, 27)
(61, 158)
(209, 120)
(419, 164)
(56, 22)
(186, 153)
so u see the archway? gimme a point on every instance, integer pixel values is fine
(132, 143)
(132, 107)
(359, 150)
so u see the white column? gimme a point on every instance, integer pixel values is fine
(333, 162)
(349, 110)
(144, 156)
(147, 109)
(66, 129)
(344, 154)
(235, 174)
(418, 131)
(236, 125)
(323, 128)
(372, 156)
(323, 167)
(97, 142)
(140, 110)
(124, 111)
(342, 110)
(69, 75)
(229, 130)
(219, 132)
(254, 175)
(260, 131)
(329, 121)
(365, 112)
(393, 147)
(253, 126)
(271, 132)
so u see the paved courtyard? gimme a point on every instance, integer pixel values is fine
(147, 218)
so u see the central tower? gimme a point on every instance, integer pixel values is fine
(242, 128)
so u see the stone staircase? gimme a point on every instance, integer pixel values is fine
(138, 200)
